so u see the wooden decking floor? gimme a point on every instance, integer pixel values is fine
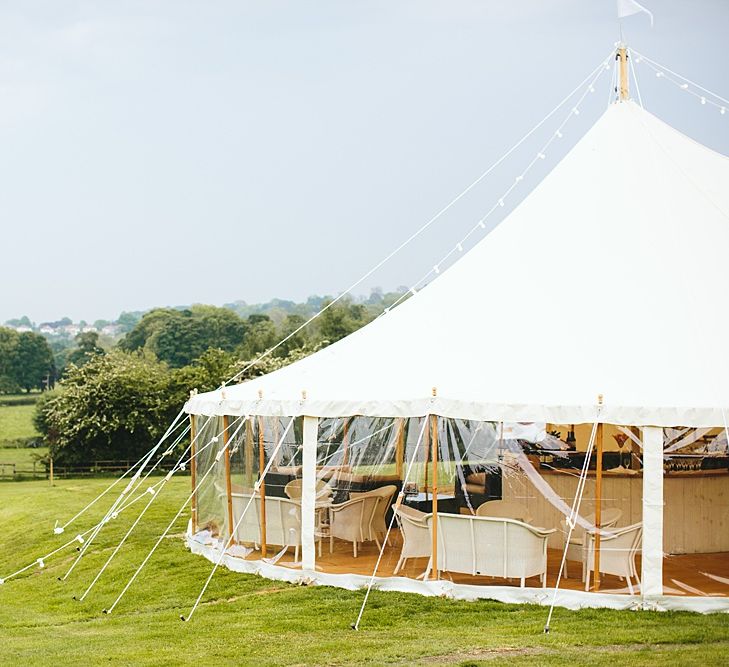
(690, 574)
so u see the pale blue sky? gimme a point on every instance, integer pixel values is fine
(168, 152)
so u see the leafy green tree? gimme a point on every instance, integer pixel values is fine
(260, 335)
(178, 341)
(8, 345)
(113, 407)
(206, 373)
(341, 319)
(87, 346)
(33, 365)
(127, 321)
(292, 324)
(180, 336)
(118, 405)
(151, 322)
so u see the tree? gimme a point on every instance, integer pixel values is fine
(87, 346)
(127, 321)
(113, 407)
(8, 345)
(152, 321)
(340, 320)
(260, 335)
(33, 365)
(116, 406)
(180, 336)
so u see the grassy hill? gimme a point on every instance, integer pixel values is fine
(247, 620)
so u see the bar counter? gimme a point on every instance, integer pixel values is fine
(696, 512)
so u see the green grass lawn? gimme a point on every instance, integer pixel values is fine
(247, 620)
(16, 421)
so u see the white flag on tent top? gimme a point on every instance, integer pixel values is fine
(630, 7)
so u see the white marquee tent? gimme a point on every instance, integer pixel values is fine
(427, 453)
(623, 325)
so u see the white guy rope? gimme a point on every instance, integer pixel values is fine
(60, 529)
(398, 502)
(480, 225)
(571, 520)
(79, 539)
(172, 523)
(154, 493)
(130, 487)
(422, 228)
(226, 544)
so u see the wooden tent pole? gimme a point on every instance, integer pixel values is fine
(345, 442)
(262, 487)
(228, 484)
(193, 472)
(249, 455)
(434, 441)
(624, 79)
(426, 448)
(400, 448)
(598, 502)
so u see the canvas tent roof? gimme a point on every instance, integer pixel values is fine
(610, 278)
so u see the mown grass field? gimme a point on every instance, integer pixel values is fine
(246, 620)
(16, 421)
(16, 428)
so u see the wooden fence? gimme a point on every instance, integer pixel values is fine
(37, 470)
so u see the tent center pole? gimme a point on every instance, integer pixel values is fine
(622, 57)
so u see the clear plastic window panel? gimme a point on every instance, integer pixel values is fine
(503, 494)
(210, 516)
(696, 512)
(265, 462)
(503, 497)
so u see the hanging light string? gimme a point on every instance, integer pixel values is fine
(421, 229)
(175, 425)
(180, 465)
(501, 201)
(198, 485)
(131, 486)
(226, 543)
(704, 95)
